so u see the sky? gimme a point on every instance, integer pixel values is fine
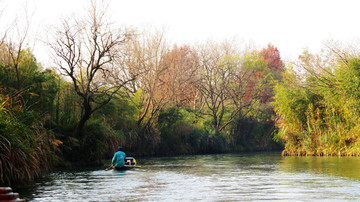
(290, 25)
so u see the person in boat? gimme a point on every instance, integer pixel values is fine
(118, 160)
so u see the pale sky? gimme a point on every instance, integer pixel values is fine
(290, 25)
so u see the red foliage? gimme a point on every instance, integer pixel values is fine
(272, 57)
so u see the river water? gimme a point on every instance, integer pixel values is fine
(222, 177)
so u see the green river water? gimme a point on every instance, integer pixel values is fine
(221, 177)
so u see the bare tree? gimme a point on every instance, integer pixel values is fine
(15, 47)
(146, 53)
(231, 84)
(14, 39)
(216, 66)
(87, 50)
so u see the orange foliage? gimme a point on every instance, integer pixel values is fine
(178, 79)
(271, 56)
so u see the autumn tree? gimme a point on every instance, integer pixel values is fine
(180, 76)
(276, 67)
(248, 88)
(87, 50)
(272, 57)
(252, 92)
(146, 53)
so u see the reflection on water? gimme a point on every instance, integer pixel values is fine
(333, 166)
(256, 176)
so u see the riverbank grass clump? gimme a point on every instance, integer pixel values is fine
(26, 147)
(318, 110)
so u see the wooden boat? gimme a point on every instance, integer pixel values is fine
(126, 167)
(130, 163)
(6, 194)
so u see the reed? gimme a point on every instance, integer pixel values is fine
(26, 150)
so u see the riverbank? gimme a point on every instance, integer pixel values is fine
(321, 153)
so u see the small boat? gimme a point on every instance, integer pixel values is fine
(130, 163)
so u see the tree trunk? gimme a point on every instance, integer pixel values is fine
(86, 116)
(80, 125)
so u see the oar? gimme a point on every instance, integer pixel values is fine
(111, 167)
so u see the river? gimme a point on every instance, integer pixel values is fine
(221, 177)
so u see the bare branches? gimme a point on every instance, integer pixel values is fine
(87, 50)
(322, 67)
(13, 41)
(232, 84)
(216, 70)
(146, 55)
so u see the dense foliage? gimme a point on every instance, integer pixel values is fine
(318, 109)
(27, 148)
